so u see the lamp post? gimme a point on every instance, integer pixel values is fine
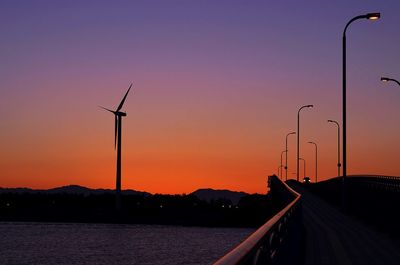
(280, 170)
(284, 151)
(387, 79)
(370, 16)
(338, 146)
(286, 168)
(316, 160)
(298, 136)
(304, 168)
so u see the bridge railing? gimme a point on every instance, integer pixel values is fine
(389, 183)
(278, 240)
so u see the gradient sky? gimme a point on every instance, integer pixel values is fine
(217, 86)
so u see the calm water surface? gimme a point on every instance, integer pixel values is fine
(97, 244)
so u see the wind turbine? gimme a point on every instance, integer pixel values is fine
(117, 144)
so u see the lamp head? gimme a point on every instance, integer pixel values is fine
(373, 16)
(305, 106)
(384, 79)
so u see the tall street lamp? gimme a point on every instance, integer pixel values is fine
(316, 160)
(387, 79)
(304, 166)
(280, 171)
(338, 146)
(284, 151)
(286, 168)
(370, 16)
(298, 136)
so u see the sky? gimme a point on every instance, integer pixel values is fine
(216, 88)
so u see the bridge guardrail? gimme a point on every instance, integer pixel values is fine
(389, 183)
(276, 241)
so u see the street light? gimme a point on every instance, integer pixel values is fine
(338, 146)
(316, 160)
(298, 136)
(284, 151)
(304, 166)
(280, 170)
(387, 79)
(286, 168)
(370, 16)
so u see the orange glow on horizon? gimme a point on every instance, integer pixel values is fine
(217, 87)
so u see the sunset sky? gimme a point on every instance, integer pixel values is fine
(217, 86)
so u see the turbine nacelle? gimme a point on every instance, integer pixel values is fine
(116, 113)
(120, 113)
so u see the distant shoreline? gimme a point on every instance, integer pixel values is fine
(182, 210)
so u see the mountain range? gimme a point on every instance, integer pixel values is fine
(211, 194)
(72, 189)
(202, 194)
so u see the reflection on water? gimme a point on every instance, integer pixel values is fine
(49, 243)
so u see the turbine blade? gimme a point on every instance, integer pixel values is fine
(123, 100)
(107, 109)
(115, 132)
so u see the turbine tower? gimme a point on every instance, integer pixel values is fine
(117, 144)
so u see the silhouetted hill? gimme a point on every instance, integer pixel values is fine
(211, 194)
(204, 207)
(72, 189)
(17, 190)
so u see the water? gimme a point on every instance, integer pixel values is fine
(50, 243)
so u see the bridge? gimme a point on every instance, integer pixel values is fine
(309, 230)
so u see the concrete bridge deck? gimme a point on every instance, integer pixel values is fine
(334, 238)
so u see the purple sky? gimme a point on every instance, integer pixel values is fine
(217, 81)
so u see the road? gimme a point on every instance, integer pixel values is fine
(334, 238)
